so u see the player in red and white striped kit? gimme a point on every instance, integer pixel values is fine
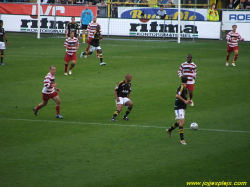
(71, 44)
(189, 69)
(49, 92)
(232, 44)
(90, 32)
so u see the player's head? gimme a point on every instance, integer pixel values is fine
(234, 27)
(213, 6)
(189, 58)
(161, 7)
(98, 27)
(86, 6)
(128, 77)
(73, 19)
(52, 70)
(184, 79)
(72, 34)
(94, 19)
(1, 22)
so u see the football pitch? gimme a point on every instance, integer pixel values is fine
(86, 149)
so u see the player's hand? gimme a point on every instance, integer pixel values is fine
(117, 99)
(242, 39)
(57, 89)
(187, 101)
(54, 84)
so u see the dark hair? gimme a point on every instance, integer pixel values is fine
(232, 26)
(161, 6)
(1, 21)
(184, 79)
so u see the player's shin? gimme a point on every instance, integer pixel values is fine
(57, 109)
(116, 113)
(235, 58)
(71, 66)
(228, 55)
(65, 68)
(181, 131)
(176, 124)
(101, 57)
(2, 55)
(128, 111)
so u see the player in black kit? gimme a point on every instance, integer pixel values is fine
(122, 97)
(95, 46)
(180, 106)
(2, 44)
(72, 26)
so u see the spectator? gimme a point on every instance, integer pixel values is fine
(144, 3)
(190, 4)
(102, 3)
(241, 5)
(63, 1)
(212, 14)
(248, 4)
(168, 4)
(230, 5)
(128, 3)
(161, 13)
(70, 2)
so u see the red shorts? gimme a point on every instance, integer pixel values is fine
(89, 40)
(68, 57)
(190, 87)
(47, 97)
(231, 49)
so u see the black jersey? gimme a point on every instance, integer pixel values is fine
(2, 33)
(123, 89)
(73, 27)
(95, 42)
(182, 91)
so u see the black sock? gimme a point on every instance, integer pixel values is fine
(173, 126)
(101, 57)
(128, 111)
(2, 55)
(181, 131)
(116, 113)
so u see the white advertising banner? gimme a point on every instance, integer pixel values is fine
(239, 18)
(118, 27)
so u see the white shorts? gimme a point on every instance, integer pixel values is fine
(92, 48)
(2, 45)
(122, 101)
(180, 114)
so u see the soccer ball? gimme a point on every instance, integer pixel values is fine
(194, 126)
(157, 17)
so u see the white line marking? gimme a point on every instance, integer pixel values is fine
(114, 124)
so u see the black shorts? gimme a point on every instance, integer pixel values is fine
(84, 27)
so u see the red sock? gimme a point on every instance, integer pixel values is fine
(97, 53)
(235, 58)
(87, 49)
(228, 57)
(57, 110)
(38, 107)
(65, 68)
(190, 96)
(72, 65)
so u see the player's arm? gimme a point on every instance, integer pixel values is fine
(180, 71)
(77, 47)
(6, 39)
(67, 31)
(100, 37)
(183, 100)
(129, 95)
(116, 95)
(58, 89)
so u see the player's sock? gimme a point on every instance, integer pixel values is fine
(83, 38)
(128, 111)
(97, 53)
(57, 110)
(228, 57)
(181, 131)
(38, 107)
(65, 68)
(87, 49)
(101, 57)
(117, 112)
(176, 124)
(71, 66)
(190, 96)
(2, 55)
(235, 58)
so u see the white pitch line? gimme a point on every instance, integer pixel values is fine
(115, 124)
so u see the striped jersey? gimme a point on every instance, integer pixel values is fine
(71, 43)
(91, 29)
(188, 69)
(48, 80)
(233, 38)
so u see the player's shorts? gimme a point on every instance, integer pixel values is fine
(84, 26)
(231, 49)
(68, 57)
(2, 45)
(190, 87)
(122, 101)
(47, 97)
(89, 40)
(180, 114)
(92, 48)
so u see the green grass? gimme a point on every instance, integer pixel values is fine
(85, 149)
